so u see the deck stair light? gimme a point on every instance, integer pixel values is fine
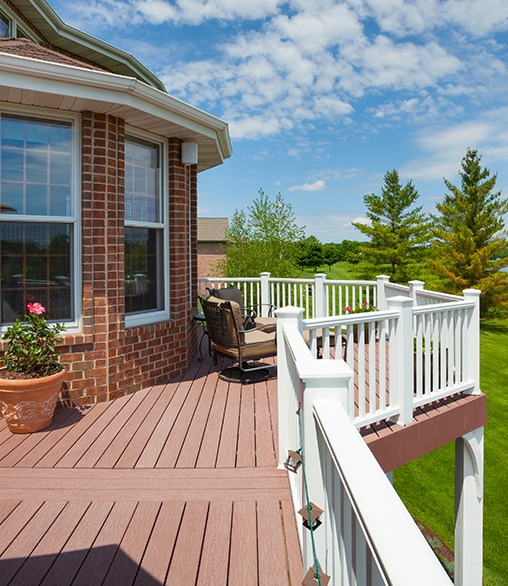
(293, 461)
(311, 578)
(314, 520)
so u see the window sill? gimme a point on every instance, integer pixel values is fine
(144, 319)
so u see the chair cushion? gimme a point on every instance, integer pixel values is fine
(257, 345)
(230, 294)
(268, 323)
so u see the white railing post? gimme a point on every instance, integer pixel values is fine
(332, 384)
(285, 316)
(402, 359)
(415, 286)
(321, 305)
(382, 281)
(472, 359)
(265, 294)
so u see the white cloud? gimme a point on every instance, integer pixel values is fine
(316, 186)
(296, 63)
(358, 220)
(446, 145)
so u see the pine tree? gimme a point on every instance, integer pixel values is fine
(468, 234)
(397, 233)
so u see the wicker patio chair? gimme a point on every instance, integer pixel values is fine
(250, 317)
(228, 338)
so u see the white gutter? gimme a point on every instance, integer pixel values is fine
(33, 74)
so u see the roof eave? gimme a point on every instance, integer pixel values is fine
(66, 37)
(34, 75)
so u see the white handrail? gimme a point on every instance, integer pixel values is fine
(401, 554)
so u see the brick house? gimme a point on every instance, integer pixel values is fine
(211, 237)
(98, 202)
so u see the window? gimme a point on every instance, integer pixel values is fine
(38, 216)
(146, 278)
(5, 27)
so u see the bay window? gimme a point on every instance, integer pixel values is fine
(39, 230)
(146, 233)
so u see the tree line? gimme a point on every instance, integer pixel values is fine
(463, 243)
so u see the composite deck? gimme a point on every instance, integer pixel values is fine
(176, 484)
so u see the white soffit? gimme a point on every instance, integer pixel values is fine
(63, 87)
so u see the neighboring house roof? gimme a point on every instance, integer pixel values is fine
(70, 39)
(27, 48)
(212, 229)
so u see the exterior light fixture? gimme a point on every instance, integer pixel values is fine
(311, 578)
(293, 461)
(189, 153)
(314, 520)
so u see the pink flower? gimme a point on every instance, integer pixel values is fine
(36, 308)
(365, 303)
(348, 309)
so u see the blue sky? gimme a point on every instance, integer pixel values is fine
(323, 97)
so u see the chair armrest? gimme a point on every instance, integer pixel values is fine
(270, 305)
(254, 329)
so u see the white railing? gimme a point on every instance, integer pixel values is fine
(403, 357)
(322, 297)
(367, 536)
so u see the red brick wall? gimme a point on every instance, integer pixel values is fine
(209, 254)
(107, 360)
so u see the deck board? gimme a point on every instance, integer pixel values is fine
(246, 451)
(187, 553)
(244, 555)
(215, 556)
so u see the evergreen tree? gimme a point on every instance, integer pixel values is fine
(263, 239)
(397, 233)
(468, 235)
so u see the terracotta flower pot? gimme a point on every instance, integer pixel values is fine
(28, 405)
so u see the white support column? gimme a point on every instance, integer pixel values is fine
(415, 286)
(382, 281)
(469, 509)
(285, 316)
(401, 372)
(321, 301)
(323, 380)
(265, 294)
(472, 359)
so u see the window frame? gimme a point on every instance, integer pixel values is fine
(156, 315)
(17, 24)
(74, 325)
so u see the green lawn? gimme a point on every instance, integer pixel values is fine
(339, 271)
(426, 485)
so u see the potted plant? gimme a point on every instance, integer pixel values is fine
(31, 377)
(365, 307)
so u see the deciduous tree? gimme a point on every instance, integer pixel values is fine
(397, 231)
(263, 239)
(468, 235)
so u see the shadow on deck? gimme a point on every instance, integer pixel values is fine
(176, 484)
